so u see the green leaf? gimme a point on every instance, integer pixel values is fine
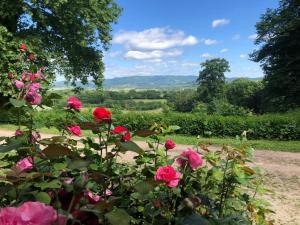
(118, 217)
(54, 151)
(143, 187)
(17, 103)
(60, 166)
(144, 133)
(11, 146)
(43, 197)
(52, 184)
(174, 127)
(195, 219)
(78, 164)
(2, 138)
(130, 146)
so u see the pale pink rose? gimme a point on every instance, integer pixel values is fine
(74, 103)
(25, 164)
(191, 157)
(93, 198)
(18, 132)
(108, 192)
(30, 213)
(167, 174)
(74, 129)
(68, 180)
(19, 84)
(169, 144)
(33, 98)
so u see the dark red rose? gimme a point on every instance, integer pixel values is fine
(124, 131)
(23, 47)
(102, 115)
(31, 57)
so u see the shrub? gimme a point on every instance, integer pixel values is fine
(89, 184)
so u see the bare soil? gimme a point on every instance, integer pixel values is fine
(282, 179)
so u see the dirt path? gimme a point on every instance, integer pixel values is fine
(283, 179)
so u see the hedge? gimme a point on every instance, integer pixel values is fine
(268, 126)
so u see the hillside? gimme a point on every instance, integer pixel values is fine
(146, 82)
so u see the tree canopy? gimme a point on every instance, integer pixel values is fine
(278, 35)
(211, 79)
(73, 34)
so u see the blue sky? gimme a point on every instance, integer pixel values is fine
(172, 37)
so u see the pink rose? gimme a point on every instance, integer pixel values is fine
(26, 76)
(108, 192)
(169, 144)
(191, 157)
(74, 103)
(74, 129)
(19, 84)
(33, 213)
(35, 137)
(93, 199)
(25, 164)
(167, 174)
(8, 216)
(33, 98)
(18, 132)
(34, 87)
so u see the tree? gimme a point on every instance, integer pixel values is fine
(211, 79)
(244, 92)
(73, 34)
(278, 35)
(183, 100)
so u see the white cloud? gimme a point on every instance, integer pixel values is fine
(154, 39)
(220, 22)
(155, 54)
(115, 53)
(252, 36)
(236, 37)
(191, 64)
(210, 42)
(243, 56)
(224, 50)
(206, 55)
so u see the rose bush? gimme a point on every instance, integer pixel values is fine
(67, 180)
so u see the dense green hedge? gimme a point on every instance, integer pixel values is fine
(269, 126)
(266, 126)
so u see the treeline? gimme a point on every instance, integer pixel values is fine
(239, 97)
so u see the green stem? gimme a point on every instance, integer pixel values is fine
(222, 199)
(70, 207)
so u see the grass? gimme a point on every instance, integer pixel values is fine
(275, 145)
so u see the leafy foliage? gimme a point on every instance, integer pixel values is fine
(278, 36)
(74, 41)
(211, 79)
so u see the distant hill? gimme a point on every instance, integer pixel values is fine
(147, 82)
